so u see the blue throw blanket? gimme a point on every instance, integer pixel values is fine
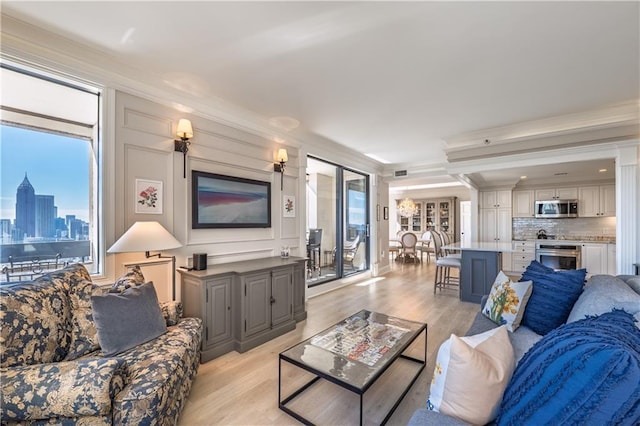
(583, 373)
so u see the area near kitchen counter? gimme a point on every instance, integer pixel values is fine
(595, 237)
(597, 256)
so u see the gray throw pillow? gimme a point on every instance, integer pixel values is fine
(125, 320)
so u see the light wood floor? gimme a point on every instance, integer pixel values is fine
(242, 389)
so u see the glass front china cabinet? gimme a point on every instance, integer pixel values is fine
(438, 214)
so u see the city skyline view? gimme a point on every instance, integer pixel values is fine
(54, 164)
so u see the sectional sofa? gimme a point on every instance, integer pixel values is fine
(585, 371)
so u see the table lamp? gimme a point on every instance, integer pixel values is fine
(147, 236)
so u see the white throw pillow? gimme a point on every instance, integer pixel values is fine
(507, 301)
(471, 374)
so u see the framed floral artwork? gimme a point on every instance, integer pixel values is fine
(288, 206)
(148, 196)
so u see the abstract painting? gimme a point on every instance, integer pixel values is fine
(220, 201)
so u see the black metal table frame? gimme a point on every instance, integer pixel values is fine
(320, 375)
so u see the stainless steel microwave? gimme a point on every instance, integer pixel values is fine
(556, 208)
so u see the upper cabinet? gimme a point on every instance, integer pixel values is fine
(495, 217)
(523, 203)
(597, 201)
(568, 193)
(495, 199)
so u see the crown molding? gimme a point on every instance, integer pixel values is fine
(612, 122)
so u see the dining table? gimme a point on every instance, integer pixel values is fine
(425, 243)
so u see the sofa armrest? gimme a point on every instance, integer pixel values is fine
(63, 389)
(171, 311)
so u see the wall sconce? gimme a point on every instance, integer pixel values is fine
(282, 158)
(184, 132)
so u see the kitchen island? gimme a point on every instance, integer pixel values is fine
(481, 262)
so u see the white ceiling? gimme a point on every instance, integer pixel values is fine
(399, 80)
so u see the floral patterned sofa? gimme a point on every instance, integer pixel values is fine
(53, 371)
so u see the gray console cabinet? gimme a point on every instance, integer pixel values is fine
(299, 297)
(245, 304)
(218, 301)
(211, 300)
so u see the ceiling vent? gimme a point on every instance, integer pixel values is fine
(400, 173)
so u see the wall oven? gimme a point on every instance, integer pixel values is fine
(558, 255)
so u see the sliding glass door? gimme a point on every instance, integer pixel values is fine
(337, 221)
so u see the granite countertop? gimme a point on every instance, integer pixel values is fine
(573, 239)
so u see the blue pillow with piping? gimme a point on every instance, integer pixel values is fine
(583, 373)
(553, 296)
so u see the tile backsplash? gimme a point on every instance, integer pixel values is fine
(581, 228)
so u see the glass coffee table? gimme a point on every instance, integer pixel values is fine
(353, 354)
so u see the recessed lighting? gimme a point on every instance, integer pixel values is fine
(284, 123)
(375, 157)
(523, 177)
(602, 170)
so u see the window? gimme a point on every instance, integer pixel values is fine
(49, 156)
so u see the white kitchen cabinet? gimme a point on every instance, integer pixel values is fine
(523, 203)
(494, 199)
(608, 200)
(523, 253)
(565, 193)
(495, 225)
(595, 258)
(597, 201)
(611, 259)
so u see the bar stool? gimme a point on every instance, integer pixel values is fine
(444, 263)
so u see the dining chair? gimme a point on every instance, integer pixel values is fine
(409, 242)
(446, 240)
(395, 246)
(444, 264)
(424, 245)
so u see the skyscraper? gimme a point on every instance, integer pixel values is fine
(45, 216)
(25, 225)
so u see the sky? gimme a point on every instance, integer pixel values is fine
(55, 165)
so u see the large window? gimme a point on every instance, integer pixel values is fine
(49, 157)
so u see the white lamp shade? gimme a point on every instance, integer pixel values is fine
(145, 236)
(282, 155)
(184, 129)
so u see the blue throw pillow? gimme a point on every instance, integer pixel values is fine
(128, 319)
(583, 373)
(553, 296)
